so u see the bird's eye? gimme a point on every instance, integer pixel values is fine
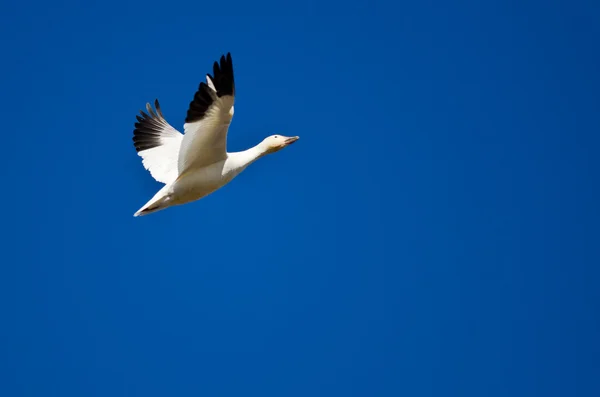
(276, 136)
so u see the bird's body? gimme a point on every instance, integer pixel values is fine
(196, 164)
(199, 182)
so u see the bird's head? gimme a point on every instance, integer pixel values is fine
(275, 143)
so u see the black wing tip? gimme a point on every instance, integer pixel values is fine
(203, 98)
(158, 109)
(223, 81)
(146, 134)
(223, 76)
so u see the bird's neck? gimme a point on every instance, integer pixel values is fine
(249, 156)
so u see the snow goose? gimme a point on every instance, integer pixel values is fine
(196, 163)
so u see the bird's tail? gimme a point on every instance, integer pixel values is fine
(160, 201)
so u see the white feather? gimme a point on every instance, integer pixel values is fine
(210, 83)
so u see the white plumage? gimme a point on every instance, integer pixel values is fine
(195, 164)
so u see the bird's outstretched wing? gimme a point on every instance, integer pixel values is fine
(157, 143)
(208, 119)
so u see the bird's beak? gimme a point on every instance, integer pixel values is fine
(291, 140)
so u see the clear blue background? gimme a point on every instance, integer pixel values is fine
(435, 232)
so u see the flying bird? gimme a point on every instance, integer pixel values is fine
(196, 163)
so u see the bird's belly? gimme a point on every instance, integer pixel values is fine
(199, 183)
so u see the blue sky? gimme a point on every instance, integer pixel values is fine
(433, 233)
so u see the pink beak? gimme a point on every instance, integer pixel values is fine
(291, 140)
